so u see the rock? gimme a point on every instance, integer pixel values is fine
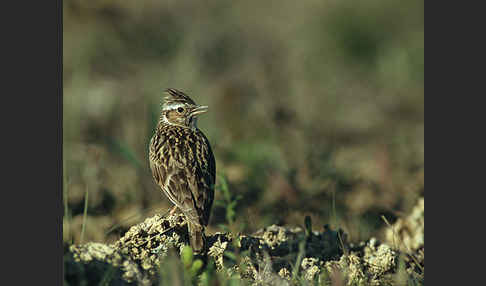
(408, 233)
(148, 253)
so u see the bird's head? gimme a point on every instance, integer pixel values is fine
(179, 109)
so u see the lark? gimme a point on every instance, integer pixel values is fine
(183, 164)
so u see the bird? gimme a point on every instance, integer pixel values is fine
(183, 164)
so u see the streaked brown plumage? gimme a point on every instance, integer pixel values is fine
(182, 162)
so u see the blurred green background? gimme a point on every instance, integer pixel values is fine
(316, 108)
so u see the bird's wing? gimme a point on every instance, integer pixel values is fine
(207, 170)
(187, 178)
(162, 167)
(198, 171)
(163, 177)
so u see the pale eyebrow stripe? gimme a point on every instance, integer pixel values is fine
(174, 106)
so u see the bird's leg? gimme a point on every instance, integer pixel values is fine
(173, 210)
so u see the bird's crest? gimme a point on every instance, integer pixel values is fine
(174, 96)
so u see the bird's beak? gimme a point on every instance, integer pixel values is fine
(199, 110)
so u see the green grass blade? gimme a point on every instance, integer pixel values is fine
(85, 215)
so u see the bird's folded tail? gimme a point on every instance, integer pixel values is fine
(196, 235)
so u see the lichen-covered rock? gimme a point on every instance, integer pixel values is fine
(380, 258)
(275, 235)
(311, 267)
(217, 251)
(408, 233)
(275, 255)
(284, 273)
(349, 268)
(371, 263)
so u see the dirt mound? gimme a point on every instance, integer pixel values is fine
(275, 255)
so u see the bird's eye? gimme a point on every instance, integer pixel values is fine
(180, 109)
